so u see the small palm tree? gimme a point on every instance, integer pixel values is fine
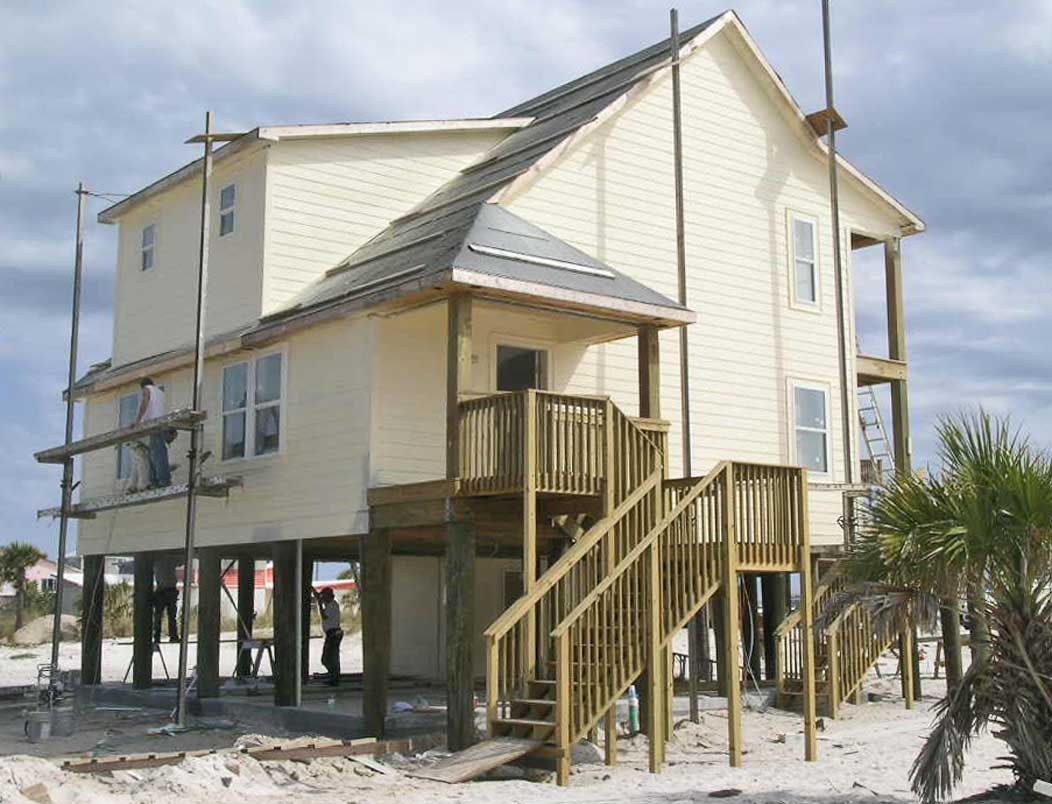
(981, 529)
(15, 559)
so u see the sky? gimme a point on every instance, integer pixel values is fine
(948, 105)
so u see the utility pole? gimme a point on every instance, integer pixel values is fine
(195, 433)
(67, 465)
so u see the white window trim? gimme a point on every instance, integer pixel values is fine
(792, 384)
(153, 248)
(232, 209)
(792, 215)
(250, 409)
(497, 339)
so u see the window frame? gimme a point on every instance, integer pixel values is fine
(122, 449)
(152, 248)
(791, 217)
(251, 407)
(225, 211)
(498, 340)
(792, 384)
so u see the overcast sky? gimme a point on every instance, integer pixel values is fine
(948, 103)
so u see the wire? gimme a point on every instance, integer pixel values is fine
(752, 645)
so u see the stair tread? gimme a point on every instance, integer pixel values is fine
(522, 721)
(533, 701)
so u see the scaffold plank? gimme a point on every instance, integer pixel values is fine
(182, 419)
(207, 487)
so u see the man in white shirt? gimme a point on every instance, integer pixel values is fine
(330, 624)
(151, 406)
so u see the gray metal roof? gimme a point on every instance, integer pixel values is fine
(435, 235)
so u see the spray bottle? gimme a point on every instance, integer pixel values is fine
(633, 710)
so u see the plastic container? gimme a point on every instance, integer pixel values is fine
(633, 710)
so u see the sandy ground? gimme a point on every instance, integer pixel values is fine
(864, 756)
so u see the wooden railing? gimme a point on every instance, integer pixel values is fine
(768, 509)
(636, 610)
(789, 638)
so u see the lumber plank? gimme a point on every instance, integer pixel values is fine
(182, 419)
(478, 759)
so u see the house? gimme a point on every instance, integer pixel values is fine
(451, 349)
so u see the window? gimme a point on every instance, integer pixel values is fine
(519, 368)
(252, 397)
(804, 263)
(811, 427)
(127, 410)
(227, 197)
(149, 243)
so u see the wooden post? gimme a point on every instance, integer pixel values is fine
(807, 624)
(833, 682)
(772, 587)
(246, 610)
(718, 621)
(654, 678)
(460, 635)
(563, 693)
(142, 620)
(610, 735)
(306, 610)
(208, 603)
(92, 599)
(375, 596)
(649, 373)
(900, 412)
(731, 620)
(458, 374)
(907, 665)
(529, 516)
(288, 585)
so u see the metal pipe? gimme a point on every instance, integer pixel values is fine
(195, 433)
(67, 465)
(834, 203)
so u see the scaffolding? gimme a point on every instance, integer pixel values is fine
(189, 419)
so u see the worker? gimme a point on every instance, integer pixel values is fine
(151, 406)
(330, 624)
(165, 597)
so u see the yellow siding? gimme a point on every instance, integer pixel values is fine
(314, 487)
(154, 310)
(326, 197)
(745, 165)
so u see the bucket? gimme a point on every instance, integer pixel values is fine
(38, 725)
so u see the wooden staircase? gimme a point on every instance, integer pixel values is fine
(847, 645)
(607, 610)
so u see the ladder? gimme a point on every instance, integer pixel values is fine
(875, 435)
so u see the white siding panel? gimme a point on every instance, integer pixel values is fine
(327, 197)
(744, 167)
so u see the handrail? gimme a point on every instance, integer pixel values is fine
(510, 616)
(638, 550)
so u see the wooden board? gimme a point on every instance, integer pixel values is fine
(478, 759)
(182, 419)
(207, 487)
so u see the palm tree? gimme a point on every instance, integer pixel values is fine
(15, 559)
(981, 529)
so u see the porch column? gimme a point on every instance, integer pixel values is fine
(208, 595)
(900, 411)
(288, 583)
(306, 611)
(375, 596)
(92, 599)
(773, 588)
(751, 642)
(649, 373)
(142, 621)
(246, 610)
(460, 634)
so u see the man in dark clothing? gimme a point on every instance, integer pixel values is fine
(330, 624)
(165, 597)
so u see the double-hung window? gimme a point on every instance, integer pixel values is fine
(127, 410)
(227, 199)
(810, 417)
(149, 246)
(253, 393)
(803, 251)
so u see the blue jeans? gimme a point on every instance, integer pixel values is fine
(162, 474)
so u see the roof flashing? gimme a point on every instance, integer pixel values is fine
(533, 259)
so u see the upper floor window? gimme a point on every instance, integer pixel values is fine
(149, 243)
(253, 393)
(803, 259)
(810, 412)
(227, 199)
(519, 368)
(127, 410)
